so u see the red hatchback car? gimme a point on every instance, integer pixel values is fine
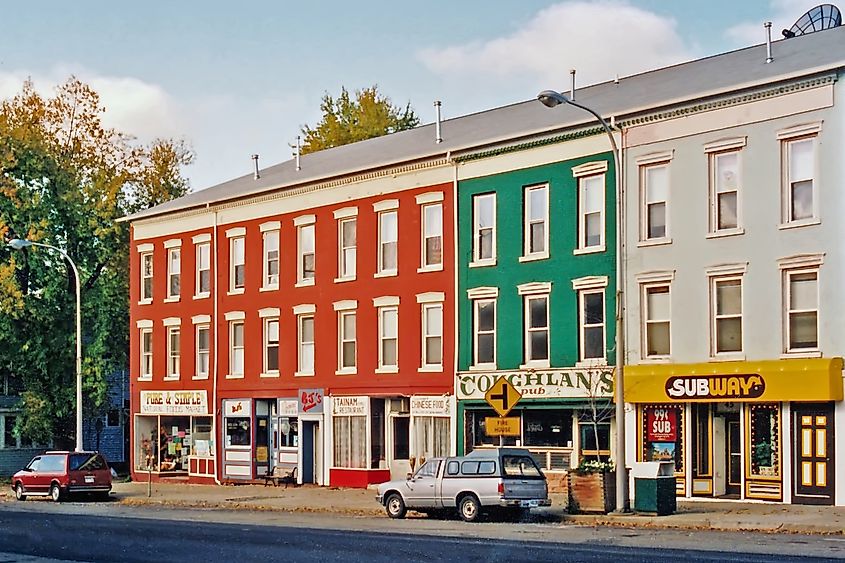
(58, 474)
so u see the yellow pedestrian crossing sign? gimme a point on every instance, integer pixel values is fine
(502, 396)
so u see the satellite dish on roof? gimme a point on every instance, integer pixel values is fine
(824, 16)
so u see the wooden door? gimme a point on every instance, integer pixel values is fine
(813, 453)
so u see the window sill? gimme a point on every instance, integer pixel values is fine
(269, 374)
(386, 274)
(236, 291)
(534, 257)
(171, 378)
(172, 300)
(592, 363)
(656, 359)
(483, 263)
(483, 367)
(196, 377)
(268, 288)
(234, 376)
(303, 374)
(726, 233)
(589, 250)
(728, 357)
(802, 223)
(430, 369)
(145, 302)
(145, 378)
(346, 371)
(389, 369)
(654, 242)
(304, 283)
(802, 354)
(204, 295)
(536, 365)
(344, 279)
(430, 268)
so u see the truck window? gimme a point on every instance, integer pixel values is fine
(469, 468)
(520, 466)
(429, 469)
(453, 468)
(487, 468)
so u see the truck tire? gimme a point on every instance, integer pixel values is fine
(395, 506)
(469, 508)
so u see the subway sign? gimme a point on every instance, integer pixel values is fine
(726, 387)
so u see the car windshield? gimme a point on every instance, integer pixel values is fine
(520, 466)
(429, 469)
(86, 462)
(33, 465)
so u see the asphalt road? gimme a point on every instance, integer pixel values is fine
(42, 531)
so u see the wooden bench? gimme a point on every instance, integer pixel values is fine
(281, 474)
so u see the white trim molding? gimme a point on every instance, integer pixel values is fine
(534, 288)
(304, 309)
(655, 276)
(201, 238)
(345, 212)
(144, 323)
(345, 305)
(268, 312)
(236, 232)
(173, 243)
(813, 128)
(483, 293)
(146, 247)
(270, 226)
(725, 144)
(655, 158)
(386, 205)
(386, 301)
(801, 261)
(430, 297)
(430, 197)
(589, 168)
(172, 321)
(200, 319)
(736, 269)
(309, 219)
(590, 282)
(234, 316)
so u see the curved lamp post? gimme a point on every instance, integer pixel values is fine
(550, 99)
(19, 244)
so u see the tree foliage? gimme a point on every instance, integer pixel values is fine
(346, 120)
(65, 179)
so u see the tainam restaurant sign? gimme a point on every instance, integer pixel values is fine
(174, 402)
(350, 406)
(556, 384)
(727, 387)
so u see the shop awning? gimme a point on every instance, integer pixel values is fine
(800, 379)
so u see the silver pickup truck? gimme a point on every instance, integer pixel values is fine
(499, 479)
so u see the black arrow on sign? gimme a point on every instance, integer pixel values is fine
(503, 396)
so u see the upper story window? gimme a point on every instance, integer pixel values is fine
(484, 229)
(348, 251)
(800, 174)
(237, 262)
(432, 234)
(592, 329)
(305, 364)
(657, 319)
(347, 336)
(146, 338)
(203, 350)
(174, 271)
(431, 313)
(236, 348)
(591, 212)
(270, 236)
(654, 194)
(483, 326)
(306, 249)
(725, 186)
(388, 241)
(388, 326)
(174, 352)
(203, 278)
(537, 329)
(147, 276)
(536, 222)
(801, 303)
(271, 345)
(726, 306)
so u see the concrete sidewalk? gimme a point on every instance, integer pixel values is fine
(691, 515)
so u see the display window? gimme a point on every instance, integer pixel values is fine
(238, 432)
(475, 434)
(350, 441)
(431, 436)
(163, 443)
(288, 432)
(763, 440)
(662, 434)
(547, 428)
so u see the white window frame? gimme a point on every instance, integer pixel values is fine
(788, 139)
(235, 371)
(582, 215)
(583, 326)
(200, 352)
(527, 223)
(174, 272)
(269, 345)
(715, 280)
(302, 344)
(427, 333)
(425, 265)
(234, 242)
(146, 297)
(344, 338)
(476, 303)
(146, 355)
(477, 259)
(646, 321)
(174, 356)
(382, 243)
(203, 254)
(645, 236)
(383, 337)
(788, 311)
(271, 281)
(527, 331)
(714, 157)
(301, 253)
(347, 266)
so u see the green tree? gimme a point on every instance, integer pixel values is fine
(65, 179)
(346, 120)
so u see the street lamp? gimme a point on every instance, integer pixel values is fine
(19, 244)
(550, 99)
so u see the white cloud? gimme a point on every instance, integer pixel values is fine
(599, 39)
(783, 13)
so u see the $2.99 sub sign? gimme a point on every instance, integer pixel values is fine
(662, 425)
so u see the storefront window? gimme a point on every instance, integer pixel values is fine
(474, 431)
(146, 452)
(378, 451)
(350, 441)
(174, 438)
(595, 440)
(662, 434)
(288, 432)
(765, 440)
(431, 436)
(550, 428)
(701, 440)
(238, 432)
(202, 437)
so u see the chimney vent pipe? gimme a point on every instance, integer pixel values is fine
(572, 89)
(255, 174)
(298, 152)
(438, 137)
(768, 26)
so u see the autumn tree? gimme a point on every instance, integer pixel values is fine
(65, 179)
(346, 120)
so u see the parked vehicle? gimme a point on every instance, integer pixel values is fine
(504, 480)
(59, 474)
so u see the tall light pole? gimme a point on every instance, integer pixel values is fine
(19, 244)
(550, 99)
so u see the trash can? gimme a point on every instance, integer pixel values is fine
(654, 487)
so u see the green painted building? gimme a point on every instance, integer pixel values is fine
(536, 272)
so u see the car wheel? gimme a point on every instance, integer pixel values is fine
(469, 508)
(19, 492)
(55, 492)
(395, 506)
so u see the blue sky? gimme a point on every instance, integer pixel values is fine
(235, 79)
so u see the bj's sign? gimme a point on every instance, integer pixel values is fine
(725, 387)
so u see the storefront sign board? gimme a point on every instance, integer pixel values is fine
(501, 425)
(237, 407)
(310, 401)
(174, 402)
(813, 379)
(570, 383)
(662, 425)
(288, 407)
(350, 406)
(424, 405)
